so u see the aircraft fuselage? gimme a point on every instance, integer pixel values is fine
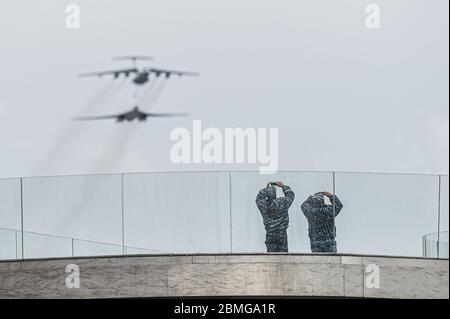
(141, 78)
(132, 115)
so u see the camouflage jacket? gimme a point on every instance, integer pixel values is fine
(320, 218)
(274, 210)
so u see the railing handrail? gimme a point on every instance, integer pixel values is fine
(78, 239)
(228, 171)
(430, 235)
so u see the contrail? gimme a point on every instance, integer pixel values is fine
(117, 147)
(100, 97)
(147, 93)
(109, 160)
(54, 155)
(156, 94)
(105, 95)
(111, 157)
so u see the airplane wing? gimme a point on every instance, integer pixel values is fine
(168, 73)
(98, 117)
(116, 73)
(166, 114)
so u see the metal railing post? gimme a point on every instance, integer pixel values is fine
(21, 217)
(334, 212)
(231, 212)
(439, 216)
(123, 214)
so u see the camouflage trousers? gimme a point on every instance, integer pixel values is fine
(323, 246)
(277, 242)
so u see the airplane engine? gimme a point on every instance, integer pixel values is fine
(142, 118)
(120, 118)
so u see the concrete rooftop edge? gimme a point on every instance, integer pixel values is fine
(213, 275)
(215, 254)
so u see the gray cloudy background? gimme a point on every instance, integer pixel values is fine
(344, 97)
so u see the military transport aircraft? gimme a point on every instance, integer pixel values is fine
(129, 116)
(141, 75)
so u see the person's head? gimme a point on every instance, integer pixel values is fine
(318, 200)
(274, 203)
(271, 193)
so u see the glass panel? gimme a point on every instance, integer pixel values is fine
(10, 219)
(178, 212)
(43, 246)
(8, 244)
(248, 233)
(444, 208)
(87, 207)
(91, 248)
(444, 203)
(10, 203)
(386, 214)
(443, 244)
(430, 245)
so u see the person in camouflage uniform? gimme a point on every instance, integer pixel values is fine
(322, 230)
(275, 215)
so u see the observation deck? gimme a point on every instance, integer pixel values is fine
(200, 234)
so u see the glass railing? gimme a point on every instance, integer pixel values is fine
(10, 247)
(214, 212)
(435, 245)
(44, 245)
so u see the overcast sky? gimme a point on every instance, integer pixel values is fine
(344, 97)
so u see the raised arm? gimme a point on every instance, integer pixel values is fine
(337, 204)
(334, 202)
(289, 196)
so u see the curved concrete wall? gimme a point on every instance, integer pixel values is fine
(226, 275)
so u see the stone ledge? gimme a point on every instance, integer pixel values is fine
(300, 275)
